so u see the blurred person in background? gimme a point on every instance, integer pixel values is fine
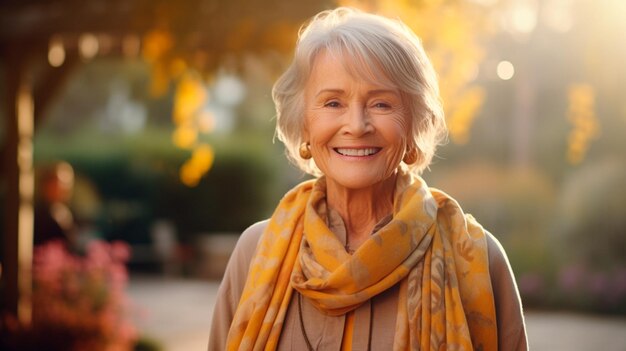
(53, 218)
(365, 256)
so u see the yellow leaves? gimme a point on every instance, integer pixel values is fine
(462, 116)
(189, 98)
(185, 137)
(157, 50)
(585, 124)
(156, 44)
(200, 162)
(177, 67)
(190, 119)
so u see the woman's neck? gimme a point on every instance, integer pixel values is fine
(361, 209)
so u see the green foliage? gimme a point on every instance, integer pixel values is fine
(137, 181)
(508, 202)
(236, 192)
(147, 344)
(565, 241)
(591, 214)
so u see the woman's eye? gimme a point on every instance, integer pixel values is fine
(332, 104)
(382, 105)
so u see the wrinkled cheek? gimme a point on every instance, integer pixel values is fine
(319, 158)
(394, 159)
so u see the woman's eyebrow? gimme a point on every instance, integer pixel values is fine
(382, 91)
(330, 90)
(369, 92)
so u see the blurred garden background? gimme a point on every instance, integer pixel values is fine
(163, 111)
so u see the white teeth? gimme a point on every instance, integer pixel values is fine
(357, 152)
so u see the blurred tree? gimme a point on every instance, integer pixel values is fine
(42, 41)
(591, 214)
(189, 43)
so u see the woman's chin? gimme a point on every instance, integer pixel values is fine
(357, 180)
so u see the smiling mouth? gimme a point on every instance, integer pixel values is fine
(358, 152)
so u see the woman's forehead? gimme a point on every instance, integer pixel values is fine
(359, 65)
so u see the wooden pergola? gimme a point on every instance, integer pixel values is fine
(203, 32)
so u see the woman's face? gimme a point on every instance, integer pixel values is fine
(357, 129)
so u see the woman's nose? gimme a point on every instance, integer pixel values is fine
(357, 121)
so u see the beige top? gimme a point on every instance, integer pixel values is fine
(374, 321)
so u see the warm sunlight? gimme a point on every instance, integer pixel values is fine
(164, 112)
(523, 18)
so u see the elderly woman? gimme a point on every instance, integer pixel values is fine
(365, 256)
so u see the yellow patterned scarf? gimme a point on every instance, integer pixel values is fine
(436, 253)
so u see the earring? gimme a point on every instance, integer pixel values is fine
(410, 156)
(305, 151)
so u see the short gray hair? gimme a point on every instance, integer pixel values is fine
(374, 42)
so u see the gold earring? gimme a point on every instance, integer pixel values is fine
(410, 156)
(305, 151)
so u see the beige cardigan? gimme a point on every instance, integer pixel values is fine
(374, 321)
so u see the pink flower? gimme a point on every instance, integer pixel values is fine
(598, 283)
(83, 296)
(120, 251)
(619, 279)
(98, 253)
(572, 277)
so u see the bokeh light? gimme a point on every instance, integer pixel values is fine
(523, 19)
(88, 46)
(505, 70)
(557, 14)
(56, 52)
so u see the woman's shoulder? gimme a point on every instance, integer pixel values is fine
(241, 258)
(498, 259)
(249, 238)
(511, 328)
(233, 283)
